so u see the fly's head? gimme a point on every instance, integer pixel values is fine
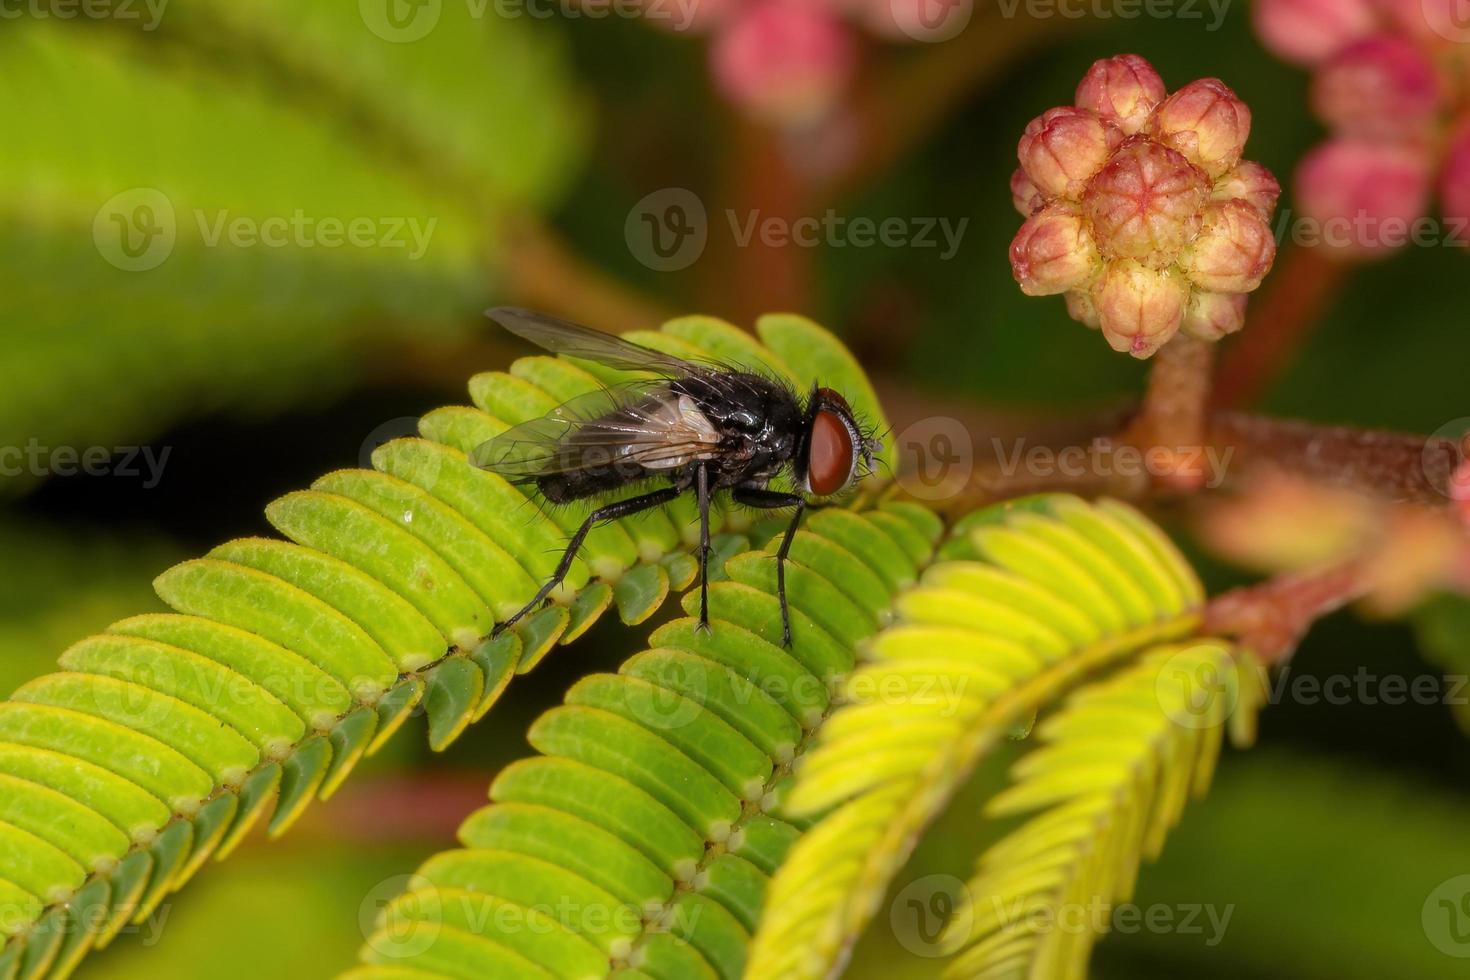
(836, 449)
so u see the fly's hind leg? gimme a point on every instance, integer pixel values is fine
(764, 499)
(608, 512)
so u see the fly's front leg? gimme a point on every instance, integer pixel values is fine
(608, 512)
(765, 499)
(702, 493)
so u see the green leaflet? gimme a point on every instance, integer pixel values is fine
(169, 736)
(1032, 597)
(645, 833)
(667, 790)
(1116, 768)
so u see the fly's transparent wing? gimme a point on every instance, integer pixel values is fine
(643, 423)
(561, 337)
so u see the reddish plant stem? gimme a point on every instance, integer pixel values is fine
(1305, 284)
(1270, 619)
(1390, 466)
(1173, 414)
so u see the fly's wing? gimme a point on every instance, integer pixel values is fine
(561, 337)
(643, 422)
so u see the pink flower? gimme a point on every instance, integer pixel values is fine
(1233, 251)
(1145, 204)
(1391, 80)
(1307, 31)
(1053, 251)
(1214, 315)
(1122, 90)
(1139, 210)
(1253, 184)
(785, 61)
(1140, 309)
(1363, 198)
(1062, 148)
(1382, 87)
(1206, 122)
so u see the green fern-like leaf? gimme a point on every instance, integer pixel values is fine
(1119, 765)
(169, 736)
(1036, 596)
(664, 797)
(642, 839)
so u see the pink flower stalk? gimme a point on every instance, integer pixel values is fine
(1390, 84)
(1139, 209)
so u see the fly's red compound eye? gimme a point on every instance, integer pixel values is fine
(831, 458)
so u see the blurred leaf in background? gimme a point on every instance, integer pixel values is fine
(241, 207)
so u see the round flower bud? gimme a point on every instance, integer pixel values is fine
(1454, 188)
(1053, 252)
(1234, 250)
(1252, 183)
(1123, 90)
(1382, 87)
(1363, 198)
(1307, 31)
(1211, 316)
(1024, 194)
(1206, 122)
(784, 61)
(1081, 308)
(1145, 204)
(1063, 147)
(1139, 309)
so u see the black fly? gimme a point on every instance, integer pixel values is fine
(701, 427)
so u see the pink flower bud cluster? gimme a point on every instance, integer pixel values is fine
(1140, 210)
(790, 63)
(1390, 82)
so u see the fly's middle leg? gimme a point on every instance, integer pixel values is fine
(764, 499)
(702, 491)
(608, 512)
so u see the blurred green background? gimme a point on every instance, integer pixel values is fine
(527, 142)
